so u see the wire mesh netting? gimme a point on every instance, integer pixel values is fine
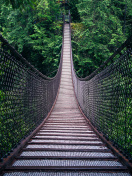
(106, 98)
(26, 97)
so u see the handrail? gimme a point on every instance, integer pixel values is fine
(26, 97)
(105, 98)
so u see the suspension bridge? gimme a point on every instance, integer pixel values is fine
(65, 125)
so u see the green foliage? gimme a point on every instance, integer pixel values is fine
(19, 3)
(102, 31)
(35, 33)
(46, 47)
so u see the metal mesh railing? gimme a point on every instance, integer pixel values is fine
(26, 97)
(105, 97)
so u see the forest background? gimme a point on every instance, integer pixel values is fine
(34, 28)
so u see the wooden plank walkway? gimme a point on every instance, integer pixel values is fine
(66, 144)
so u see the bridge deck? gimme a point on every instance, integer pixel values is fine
(66, 144)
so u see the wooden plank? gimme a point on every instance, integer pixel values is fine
(64, 168)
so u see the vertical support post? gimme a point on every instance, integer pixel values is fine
(69, 17)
